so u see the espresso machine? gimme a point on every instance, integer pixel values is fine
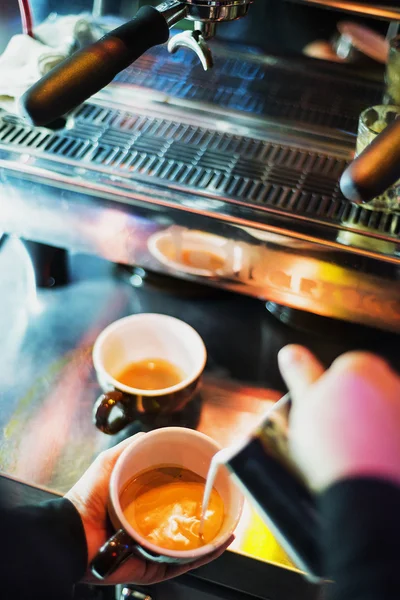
(196, 173)
(238, 164)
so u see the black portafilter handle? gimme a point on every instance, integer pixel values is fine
(375, 169)
(89, 70)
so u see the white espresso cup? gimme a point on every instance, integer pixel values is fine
(170, 446)
(136, 338)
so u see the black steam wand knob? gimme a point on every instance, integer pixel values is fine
(376, 169)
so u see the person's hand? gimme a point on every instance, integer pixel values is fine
(90, 497)
(344, 422)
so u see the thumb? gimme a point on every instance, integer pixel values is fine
(99, 472)
(299, 369)
(109, 457)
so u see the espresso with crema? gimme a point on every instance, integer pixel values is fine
(164, 506)
(151, 374)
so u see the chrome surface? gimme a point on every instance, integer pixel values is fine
(98, 9)
(127, 592)
(231, 164)
(303, 92)
(153, 176)
(217, 10)
(273, 206)
(173, 11)
(205, 14)
(207, 30)
(207, 11)
(390, 11)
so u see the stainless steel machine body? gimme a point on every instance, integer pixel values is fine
(242, 165)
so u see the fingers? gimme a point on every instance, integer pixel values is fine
(361, 362)
(94, 482)
(111, 455)
(299, 368)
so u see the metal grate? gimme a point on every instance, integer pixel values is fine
(241, 169)
(271, 90)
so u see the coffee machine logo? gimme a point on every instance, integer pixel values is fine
(310, 284)
(348, 299)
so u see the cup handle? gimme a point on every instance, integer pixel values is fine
(112, 555)
(102, 410)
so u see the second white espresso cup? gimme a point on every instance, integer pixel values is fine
(136, 338)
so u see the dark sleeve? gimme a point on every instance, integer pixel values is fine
(43, 551)
(362, 539)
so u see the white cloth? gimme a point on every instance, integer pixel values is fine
(25, 60)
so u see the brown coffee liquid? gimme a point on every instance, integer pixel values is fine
(164, 506)
(199, 259)
(151, 374)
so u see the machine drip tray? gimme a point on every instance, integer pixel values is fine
(138, 277)
(326, 327)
